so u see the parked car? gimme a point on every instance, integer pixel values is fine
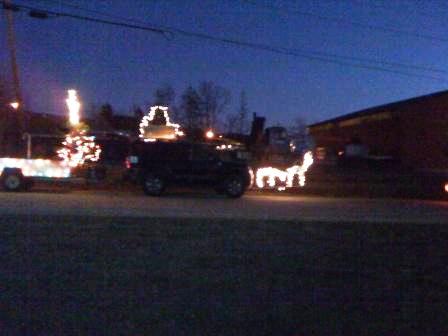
(157, 165)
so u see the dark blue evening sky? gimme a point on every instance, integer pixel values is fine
(123, 66)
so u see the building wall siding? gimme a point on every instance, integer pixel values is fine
(415, 133)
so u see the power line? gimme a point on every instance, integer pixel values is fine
(69, 5)
(298, 53)
(349, 22)
(392, 9)
(325, 58)
(91, 19)
(310, 52)
(377, 61)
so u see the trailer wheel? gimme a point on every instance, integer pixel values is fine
(13, 181)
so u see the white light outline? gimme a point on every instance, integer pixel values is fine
(145, 122)
(74, 106)
(37, 167)
(284, 176)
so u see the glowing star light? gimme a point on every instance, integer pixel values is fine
(74, 106)
(150, 130)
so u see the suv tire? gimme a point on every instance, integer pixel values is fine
(13, 181)
(233, 186)
(153, 185)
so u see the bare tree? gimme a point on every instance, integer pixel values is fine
(199, 109)
(297, 132)
(164, 96)
(137, 112)
(103, 117)
(214, 100)
(107, 112)
(243, 112)
(190, 108)
(91, 110)
(238, 122)
(231, 122)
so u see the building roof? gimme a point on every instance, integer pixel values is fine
(381, 108)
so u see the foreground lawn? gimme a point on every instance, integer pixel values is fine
(123, 276)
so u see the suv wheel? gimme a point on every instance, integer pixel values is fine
(153, 185)
(234, 187)
(12, 181)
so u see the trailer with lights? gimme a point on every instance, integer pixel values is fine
(77, 148)
(20, 174)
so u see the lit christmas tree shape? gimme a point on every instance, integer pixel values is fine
(78, 147)
(156, 125)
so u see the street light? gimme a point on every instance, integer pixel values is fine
(15, 105)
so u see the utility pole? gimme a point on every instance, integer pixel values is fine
(18, 101)
(12, 51)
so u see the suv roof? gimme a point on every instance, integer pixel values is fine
(180, 150)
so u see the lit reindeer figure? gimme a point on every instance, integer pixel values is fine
(272, 175)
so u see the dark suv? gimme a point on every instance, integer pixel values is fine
(157, 165)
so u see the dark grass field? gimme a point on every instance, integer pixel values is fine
(118, 276)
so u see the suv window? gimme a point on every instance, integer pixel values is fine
(164, 151)
(175, 151)
(204, 153)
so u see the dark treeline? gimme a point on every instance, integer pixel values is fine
(206, 106)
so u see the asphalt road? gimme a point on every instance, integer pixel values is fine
(209, 205)
(75, 275)
(119, 263)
